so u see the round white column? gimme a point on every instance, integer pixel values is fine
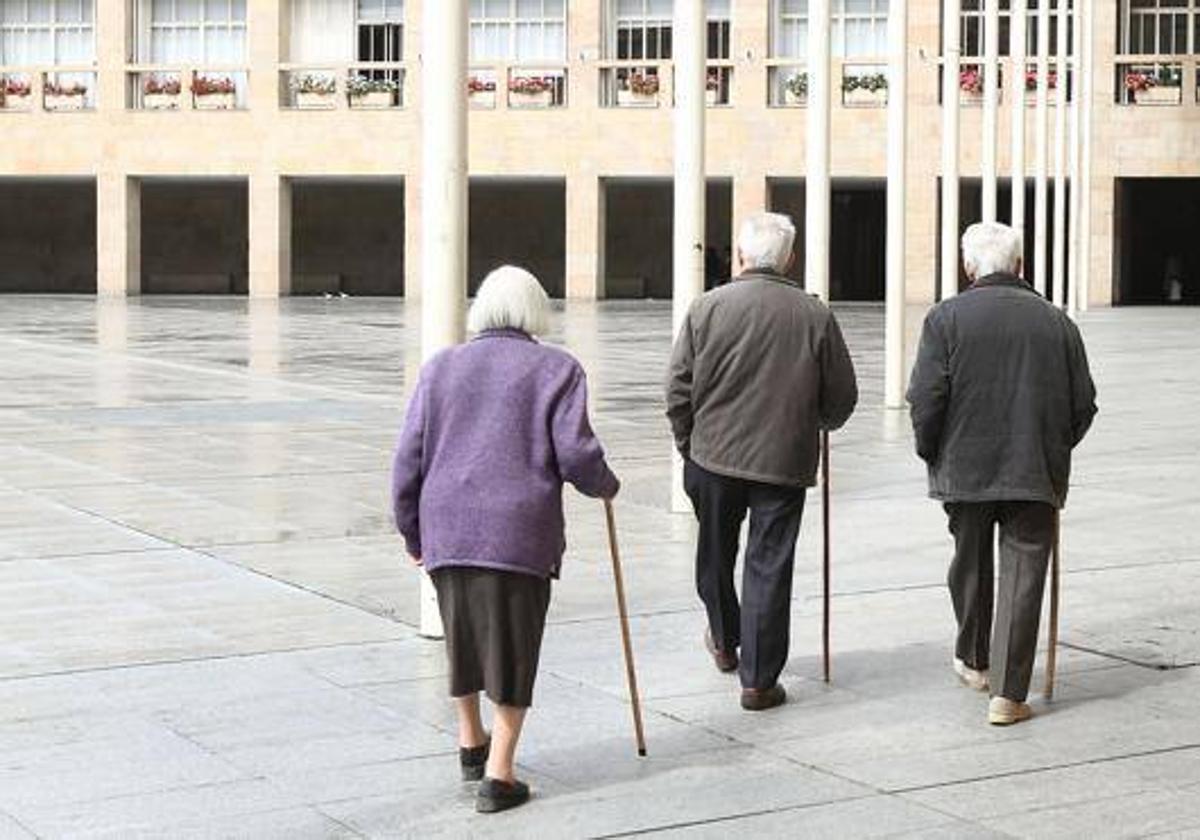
(690, 44)
(443, 199)
(991, 106)
(1041, 148)
(1085, 180)
(817, 186)
(1016, 87)
(1061, 70)
(897, 196)
(951, 67)
(1076, 161)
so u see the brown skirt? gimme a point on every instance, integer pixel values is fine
(493, 622)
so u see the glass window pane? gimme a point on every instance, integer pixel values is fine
(554, 37)
(529, 9)
(40, 11)
(556, 9)
(189, 10)
(661, 8)
(216, 10)
(161, 10)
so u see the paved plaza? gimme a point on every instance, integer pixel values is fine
(207, 627)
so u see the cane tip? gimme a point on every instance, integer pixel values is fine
(642, 753)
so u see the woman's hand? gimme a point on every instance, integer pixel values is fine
(417, 561)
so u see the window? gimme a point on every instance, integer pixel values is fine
(859, 28)
(719, 30)
(380, 26)
(47, 32)
(519, 30)
(641, 30)
(973, 20)
(1159, 27)
(190, 31)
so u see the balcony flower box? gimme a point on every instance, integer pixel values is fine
(313, 101)
(1159, 96)
(314, 92)
(712, 98)
(15, 95)
(368, 93)
(481, 93)
(214, 93)
(530, 92)
(639, 91)
(71, 97)
(161, 94)
(1160, 87)
(869, 91)
(712, 89)
(795, 90)
(970, 86)
(1031, 83)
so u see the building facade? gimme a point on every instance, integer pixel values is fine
(273, 148)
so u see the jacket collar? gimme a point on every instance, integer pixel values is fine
(763, 274)
(506, 332)
(1001, 278)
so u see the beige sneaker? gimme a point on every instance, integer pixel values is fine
(1005, 712)
(975, 680)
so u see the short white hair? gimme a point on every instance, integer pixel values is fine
(991, 248)
(765, 241)
(510, 298)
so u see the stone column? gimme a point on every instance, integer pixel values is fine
(118, 235)
(1041, 148)
(817, 182)
(585, 236)
(444, 198)
(991, 106)
(1060, 155)
(1074, 242)
(897, 198)
(951, 17)
(1085, 180)
(270, 235)
(1018, 52)
(689, 216)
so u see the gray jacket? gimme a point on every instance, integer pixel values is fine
(759, 368)
(1000, 395)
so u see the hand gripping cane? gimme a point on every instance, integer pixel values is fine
(826, 545)
(626, 643)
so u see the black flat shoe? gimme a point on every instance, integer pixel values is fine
(473, 760)
(761, 699)
(496, 796)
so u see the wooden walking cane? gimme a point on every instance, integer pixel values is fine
(1052, 651)
(826, 545)
(630, 673)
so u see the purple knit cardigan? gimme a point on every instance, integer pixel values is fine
(493, 430)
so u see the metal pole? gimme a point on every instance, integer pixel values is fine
(816, 177)
(1073, 266)
(690, 77)
(951, 67)
(1019, 53)
(444, 199)
(1041, 147)
(991, 105)
(897, 194)
(1060, 155)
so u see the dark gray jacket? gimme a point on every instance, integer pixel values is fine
(759, 368)
(1000, 395)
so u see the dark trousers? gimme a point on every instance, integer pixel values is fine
(760, 625)
(1026, 539)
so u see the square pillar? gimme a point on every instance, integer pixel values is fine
(264, 29)
(585, 237)
(270, 236)
(749, 197)
(112, 51)
(118, 235)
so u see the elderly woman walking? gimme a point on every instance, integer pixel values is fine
(494, 429)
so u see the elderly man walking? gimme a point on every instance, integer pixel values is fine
(1000, 395)
(759, 368)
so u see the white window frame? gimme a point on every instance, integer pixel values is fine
(975, 18)
(646, 21)
(1159, 13)
(53, 27)
(149, 26)
(389, 18)
(876, 18)
(511, 22)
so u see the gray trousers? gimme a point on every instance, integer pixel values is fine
(1026, 539)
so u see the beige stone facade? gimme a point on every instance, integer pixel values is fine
(750, 142)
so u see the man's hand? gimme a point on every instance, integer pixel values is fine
(417, 561)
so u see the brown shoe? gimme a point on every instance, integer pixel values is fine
(726, 661)
(761, 699)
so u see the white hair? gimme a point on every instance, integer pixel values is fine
(510, 298)
(765, 241)
(991, 248)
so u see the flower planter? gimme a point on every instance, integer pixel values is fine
(970, 98)
(372, 99)
(862, 98)
(794, 100)
(541, 99)
(315, 101)
(631, 99)
(12, 102)
(1159, 96)
(160, 101)
(216, 101)
(712, 98)
(482, 98)
(66, 101)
